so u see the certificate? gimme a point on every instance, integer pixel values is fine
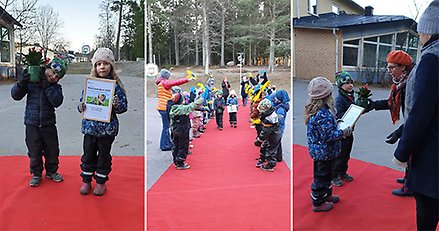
(98, 99)
(232, 108)
(351, 116)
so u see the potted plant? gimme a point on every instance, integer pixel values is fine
(34, 61)
(363, 95)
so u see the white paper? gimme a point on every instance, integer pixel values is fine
(98, 99)
(351, 116)
(232, 108)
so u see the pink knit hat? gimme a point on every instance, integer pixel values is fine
(103, 54)
(319, 88)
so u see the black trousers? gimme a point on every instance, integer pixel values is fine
(321, 187)
(96, 158)
(341, 161)
(42, 141)
(180, 139)
(232, 118)
(270, 146)
(427, 212)
(219, 118)
(258, 129)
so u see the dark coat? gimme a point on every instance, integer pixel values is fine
(419, 140)
(225, 87)
(41, 102)
(342, 103)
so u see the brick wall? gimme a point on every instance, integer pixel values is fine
(314, 53)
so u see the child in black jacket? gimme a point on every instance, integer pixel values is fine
(343, 100)
(41, 132)
(218, 105)
(269, 137)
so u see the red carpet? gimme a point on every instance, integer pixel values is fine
(365, 203)
(223, 190)
(59, 206)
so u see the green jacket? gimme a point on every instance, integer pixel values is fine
(183, 109)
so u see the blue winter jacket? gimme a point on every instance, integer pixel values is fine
(323, 136)
(232, 101)
(40, 104)
(282, 106)
(102, 129)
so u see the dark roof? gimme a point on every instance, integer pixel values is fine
(332, 20)
(8, 18)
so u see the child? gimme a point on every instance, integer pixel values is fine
(99, 136)
(281, 102)
(218, 106)
(232, 101)
(323, 141)
(270, 136)
(180, 125)
(343, 100)
(39, 118)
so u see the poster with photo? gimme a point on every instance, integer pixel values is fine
(98, 99)
(351, 116)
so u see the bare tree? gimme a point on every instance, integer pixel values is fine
(47, 23)
(24, 11)
(107, 30)
(118, 6)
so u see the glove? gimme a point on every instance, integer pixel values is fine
(392, 138)
(257, 142)
(24, 81)
(347, 131)
(116, 101)
(399, 163)
(81, 107)
(370, 106)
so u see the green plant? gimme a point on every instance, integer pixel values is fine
(34, 57)
(363, 95)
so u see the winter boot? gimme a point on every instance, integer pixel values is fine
(85, 188)
(99, 189)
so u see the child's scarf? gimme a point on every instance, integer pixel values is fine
(395, 98)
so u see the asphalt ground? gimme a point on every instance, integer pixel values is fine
(370, 132)
(129, 142)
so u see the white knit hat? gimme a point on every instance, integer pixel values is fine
(319, 88)
(429, 21)
(103, 54)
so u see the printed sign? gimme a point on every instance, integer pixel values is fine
(98, 99)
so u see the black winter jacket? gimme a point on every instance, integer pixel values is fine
(40, 104)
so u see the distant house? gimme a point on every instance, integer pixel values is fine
(358, 43)
(7, 48)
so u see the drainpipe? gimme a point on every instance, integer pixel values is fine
(298, 8)
(336, 49)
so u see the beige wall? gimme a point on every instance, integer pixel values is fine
(323, 6)
(314, 53)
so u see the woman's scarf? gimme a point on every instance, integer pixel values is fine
(395, 97)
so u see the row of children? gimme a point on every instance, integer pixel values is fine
(41, 131)
(268, 111)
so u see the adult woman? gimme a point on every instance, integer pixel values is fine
(164, 94)
(399, 65)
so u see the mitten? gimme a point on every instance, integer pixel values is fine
(392, 138)
(370, 106)
(24, 81)
(347, 131)
(81, 107)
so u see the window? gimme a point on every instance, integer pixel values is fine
(5, 45)
(335, 9)
(312, 7)
(369, 55)
(350, 52)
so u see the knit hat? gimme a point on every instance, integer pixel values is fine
(59, 66)
(319, 88)
(428, 23)
(264, 105)
(177, 98)
(175, 89)
(233, 92)
(164, 73)
(103, 54)
(342, 77)
(399, 57)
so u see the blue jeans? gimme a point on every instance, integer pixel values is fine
(165, 138)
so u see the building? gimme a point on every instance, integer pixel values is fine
(358, 43)
(7, 49)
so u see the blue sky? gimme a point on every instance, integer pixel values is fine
(81, 21)
(395, 7)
